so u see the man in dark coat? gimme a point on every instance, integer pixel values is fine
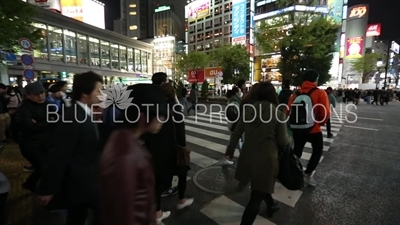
(163, 150)
(34, 131)
(72, 165)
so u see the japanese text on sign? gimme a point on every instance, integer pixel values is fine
(239, 19)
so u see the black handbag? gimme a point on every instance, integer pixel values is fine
(182, 152)
(290, 170)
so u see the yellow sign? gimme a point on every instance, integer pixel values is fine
(358, 12)
(72, 8)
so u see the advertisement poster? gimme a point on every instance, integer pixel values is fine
(47, 4)
(335, 8)
(239, 22)
(373, 30)
(192, 76)
(198, 9)
(72, 8)
(355, 47)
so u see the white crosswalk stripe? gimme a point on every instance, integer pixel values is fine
(209, 136)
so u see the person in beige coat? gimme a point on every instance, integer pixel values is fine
(265, 132)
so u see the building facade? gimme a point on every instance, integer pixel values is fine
(167, 23)
(137, 20)
(70, 47)
(266, 64)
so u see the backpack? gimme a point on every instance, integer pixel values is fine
(302, 116)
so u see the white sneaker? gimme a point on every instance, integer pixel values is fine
(310, 180)
(164, 216)
(227, 162)
(187, 203)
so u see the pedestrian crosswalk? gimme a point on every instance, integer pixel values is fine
(207, 135)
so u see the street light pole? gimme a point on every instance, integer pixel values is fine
(387, 64)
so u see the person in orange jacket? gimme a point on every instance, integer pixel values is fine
(313, 134)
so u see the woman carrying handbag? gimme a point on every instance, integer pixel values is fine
(182, 152)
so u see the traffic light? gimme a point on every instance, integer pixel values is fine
(390, 80)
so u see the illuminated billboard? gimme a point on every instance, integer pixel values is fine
(198, 9)
(72, 8)
(239, 22)
(355, 47)
(87, 11)
(358, 11)
(335, 10)
(93, 13)
(373, 30)
(53, 5)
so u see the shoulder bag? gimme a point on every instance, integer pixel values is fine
(182, 152)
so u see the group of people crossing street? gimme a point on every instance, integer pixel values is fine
(86, 162)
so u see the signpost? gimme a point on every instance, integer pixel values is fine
(27, 58)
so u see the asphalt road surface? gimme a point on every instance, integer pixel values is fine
(359, 174)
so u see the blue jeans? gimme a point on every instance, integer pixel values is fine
(184, 103)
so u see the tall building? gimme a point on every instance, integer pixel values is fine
(136, 17)
(168, 40)
(213, 23)
(167, 23)
(266, 64)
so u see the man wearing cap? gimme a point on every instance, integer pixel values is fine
(34, 130)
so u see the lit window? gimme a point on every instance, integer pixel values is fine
(132, 13)
(134, 38)
(132, 6)
(134, 27)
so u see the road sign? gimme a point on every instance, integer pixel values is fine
(11, 57)
(27, 59)
(220, 74)
(28, 74)
(25, 43)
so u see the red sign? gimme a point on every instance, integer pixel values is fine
(374, 30)
(355, 47)
(195, 76)
(358, 12)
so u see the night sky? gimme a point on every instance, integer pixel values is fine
(381, 11)
(385, 12)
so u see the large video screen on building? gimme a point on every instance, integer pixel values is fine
(87, 11)
(198, 9)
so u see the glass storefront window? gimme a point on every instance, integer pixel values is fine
(83, 49)
(144, 61)
(70, 46)
(41, 51)
(123, 56)
(105, 54)
(138, 61)
(94, 45)
(130, 60)
(56, 44)
(115, 56)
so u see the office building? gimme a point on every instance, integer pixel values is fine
(136, 17)
(266, 63)
(213, 23)
(168, 41)
(167, 23)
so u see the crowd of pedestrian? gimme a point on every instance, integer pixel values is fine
(92, 168)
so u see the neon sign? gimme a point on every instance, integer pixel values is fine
(358, 12)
